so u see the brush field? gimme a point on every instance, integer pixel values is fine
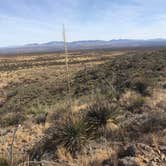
(116, 117)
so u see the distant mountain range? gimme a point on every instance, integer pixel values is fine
(56, 46)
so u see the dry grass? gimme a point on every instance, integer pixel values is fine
(132, 101)
(25, 76)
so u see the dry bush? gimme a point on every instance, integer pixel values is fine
(3, 162)
(132, 101)
(38, 109)
(63, 154)
(146, 123)
(10, 156)
(164, 86)
(11, 119)
(141, 85)
(155, 121)
(59, 112)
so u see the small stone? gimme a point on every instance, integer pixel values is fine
(107, 162)
(129, 151)
(163, 149)
(128, 161)
(163, 157)
(145, 160)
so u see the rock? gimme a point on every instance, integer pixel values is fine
(163, 157)
(163, 149)
(3, 132)
(2, 101)
(128, 161)
(129, 151)
(108, 162)
(145, 160)
(156, 159)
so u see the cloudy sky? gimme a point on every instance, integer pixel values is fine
(37, 21)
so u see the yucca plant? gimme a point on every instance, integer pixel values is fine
(73, 135)
(98, 114)
(70, 134)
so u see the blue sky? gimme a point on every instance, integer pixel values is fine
(37, 21)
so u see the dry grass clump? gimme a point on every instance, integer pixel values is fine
(10, 155)
(155, 121)
(11, 119)
(141, 85)
(63, 154)
(59, 112)
(91, 159)
(132, 101)
(143, 124)
(38, 109)
(3, 162)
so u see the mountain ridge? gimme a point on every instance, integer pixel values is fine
(82, 44)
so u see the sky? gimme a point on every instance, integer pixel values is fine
(39, 21)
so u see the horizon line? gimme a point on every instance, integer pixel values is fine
(72, 41)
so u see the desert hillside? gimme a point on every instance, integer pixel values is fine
(110, 112)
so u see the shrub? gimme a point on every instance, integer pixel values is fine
(73, 135)
(98, 114)
(70, 134)
(141, 85)
(154, 122)
(3, 162)
(164, 86)
(132, 101)
(60, 112)
(143, 124)
(38, 109)
(12, 119)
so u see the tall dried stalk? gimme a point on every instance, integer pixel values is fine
(12, 143)
(67, 67)
(6, 153)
